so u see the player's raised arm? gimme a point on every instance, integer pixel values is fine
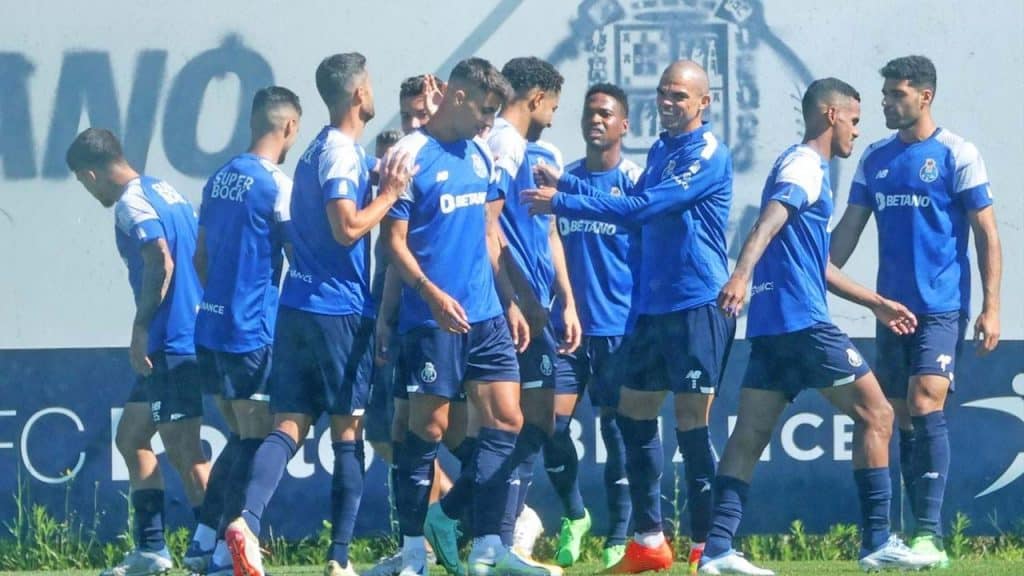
(771, 220)
(990, 266)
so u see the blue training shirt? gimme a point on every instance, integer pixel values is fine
(324, 276)
(681, 204)
(150, 209)
(242, 218)
(920, 194)
(597, 253)
(446, 209)
(788, 292)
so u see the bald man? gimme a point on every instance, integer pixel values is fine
(680, 343)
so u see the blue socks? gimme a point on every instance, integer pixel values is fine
(645, 461)
(524, 457)
(695, 446)
(730, 495)
(931, 468)
(346, 492)
(268, 465)
(616, 485)
(874, 488)
(415, 476)
(149, 519)
(562, 465)
(219, 483)
(907, 467)
(491, 480)
(459, 498)
(241, 471)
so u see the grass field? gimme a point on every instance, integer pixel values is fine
(959, 568)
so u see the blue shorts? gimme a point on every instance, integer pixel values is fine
(236, 376)
(682, 352)
(381, 408)
(589, 368)
(321, 363)
(820, 356)
(174, 389)
(439, 363)
(537, 362)
(932, 349)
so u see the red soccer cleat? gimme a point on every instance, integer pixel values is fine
(641, 559)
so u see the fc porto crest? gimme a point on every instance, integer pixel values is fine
(853, 357)
(428, 374)
(479, 167)
(929, 171)
(546, 366)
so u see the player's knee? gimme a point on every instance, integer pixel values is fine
(510, 419)
(877, 419)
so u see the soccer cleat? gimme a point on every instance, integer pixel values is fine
(570, 539)
(390, 566)
(638, 558)
(930, 547)
(894, 555)
(528, 529)
(500, 561)
(550, 569)
(731, 562)
(611, 555)
(245, 549)
(696, 552)
(142, 563)
(443, 535)
(196, 559)
(333, 568)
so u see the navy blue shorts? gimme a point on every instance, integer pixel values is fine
(321, 364)
(381, 409)
(236, 376)
(682, 352)
(590, 368)
(439, 363)
(932, 349)
(537, 362)
(174, 389)
(820, 356)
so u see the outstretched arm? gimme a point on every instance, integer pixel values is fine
(773, 217)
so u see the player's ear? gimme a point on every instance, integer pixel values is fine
(831, 115)
(459, 97)
(625, 126)
(705, 101)
(536, 98)
(927, 96)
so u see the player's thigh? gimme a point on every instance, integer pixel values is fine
(927, 394)
(253, 417)
(496, 404)
(492, 378)
(605, 377)
(758, 412)
(295, 377)
(136, 427)
(400, 419)
(692, 410)
(458, 423)
(346, 427)
(174, 389)
(694, 346)
(346, 362)
(863, 401)
(892, 361)
(641, 404)
(937, 347)
(428, 416)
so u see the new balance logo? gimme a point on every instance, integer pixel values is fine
(930, 475)
(556, 469)
(442, 176)
(424, 482)
(622, 482)
(694, 375)
(881, 173)
(944, 361)
(705, 485)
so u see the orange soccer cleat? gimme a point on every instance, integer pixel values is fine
(639, 558)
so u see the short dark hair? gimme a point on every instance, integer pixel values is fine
(611, 90)
(480, 74)
(387, 138)
(822, 91)
(527, 73)
(271, 97)
(94, 148)
(412, 86)
(336, 75)
(918, 71)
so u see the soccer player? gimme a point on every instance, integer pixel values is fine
(155, 229)
(455, 338)
(928, 189)
(323, 346)
(596, 254)
(680, 342)
(795, 346)
(239, 257)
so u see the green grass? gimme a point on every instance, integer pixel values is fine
(959, 568)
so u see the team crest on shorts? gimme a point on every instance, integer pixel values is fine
(428, 374)
(929, 171)
(479, 167)
(546, 366)
(853, 357)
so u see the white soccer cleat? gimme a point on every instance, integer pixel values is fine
(528, 529)
(245, 549)
(390, 566)
(334, 568)
(894, 555)
(732, 562)
(142, 563)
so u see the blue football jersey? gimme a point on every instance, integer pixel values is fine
(148, 210)
(921, 194)
(597, 253)
(527, 235)
(325, 277)
(788, 292)
(241, 218)
(446, 209)
(681, 204)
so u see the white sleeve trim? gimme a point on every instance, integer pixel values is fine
(802, 168)
(133, 209)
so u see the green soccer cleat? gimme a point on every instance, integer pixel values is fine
(930, 547)
(570, 539)
(443, 534)
(611, 555)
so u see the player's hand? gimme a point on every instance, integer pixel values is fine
(986, 332)
(539, 200)
(138, 352)
(382, 337)
(396, 171)
(896, 317)
(732, 296)
(447, 311)
(433, 92)
(546, 175)
(573, 331)
(519, 327)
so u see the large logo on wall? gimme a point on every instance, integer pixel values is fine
(1014, 406)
